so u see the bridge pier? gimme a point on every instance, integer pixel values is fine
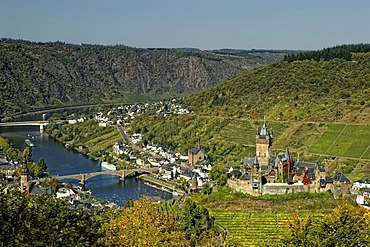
(82, 182)
(41, 128)
(122, 176)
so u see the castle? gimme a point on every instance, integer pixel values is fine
(266, 173)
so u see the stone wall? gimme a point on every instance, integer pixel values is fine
(338, 189)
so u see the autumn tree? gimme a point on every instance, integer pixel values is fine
(45, 221)
(346, 225)
(142, 224)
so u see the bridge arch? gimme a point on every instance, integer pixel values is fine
(82, 178)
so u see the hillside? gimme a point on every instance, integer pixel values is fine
(335, 90)
(320, 110)
(35, 75)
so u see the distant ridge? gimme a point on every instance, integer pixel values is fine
(36, 74)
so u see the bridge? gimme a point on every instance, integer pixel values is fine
(82, 177)
(42, 124)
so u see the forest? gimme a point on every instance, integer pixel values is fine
(345, 52)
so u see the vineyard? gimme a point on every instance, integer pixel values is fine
(252, 229)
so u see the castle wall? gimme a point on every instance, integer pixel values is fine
(242, 186)
(283, 188)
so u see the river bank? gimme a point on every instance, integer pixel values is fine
(161, 184)
(63, 161)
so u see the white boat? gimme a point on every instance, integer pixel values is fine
(29, 143)
(106, 166)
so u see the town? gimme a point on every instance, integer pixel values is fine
(261, 174)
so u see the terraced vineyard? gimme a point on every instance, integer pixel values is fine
(344, 140)
(253, 229)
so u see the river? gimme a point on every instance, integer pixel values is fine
(63, 161)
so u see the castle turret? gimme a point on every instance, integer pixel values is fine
(264, 144)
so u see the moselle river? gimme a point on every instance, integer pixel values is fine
(63, 161)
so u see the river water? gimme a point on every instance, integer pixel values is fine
(63, 161)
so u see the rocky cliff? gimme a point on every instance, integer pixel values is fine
(35, 75)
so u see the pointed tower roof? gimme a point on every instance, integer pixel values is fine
(255, 161)
(264, 130)
(287, 155)
(24, 170)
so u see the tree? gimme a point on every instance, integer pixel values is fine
(27, 154)
(206, 189)
(142, 224)
(42, 164)
(197, 224)
(218, 173)
(54, 184)
(346, 225)
(45, 221)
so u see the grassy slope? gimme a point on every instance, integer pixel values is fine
(300, 100)
(334, 91)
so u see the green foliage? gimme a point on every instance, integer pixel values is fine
(142, 223)
(42, 164)
(343, 140)
(206, 189)
(302, 90)
(346, 225)
(218, 173)
(9, 150)
(27, 154)
(87, 137)
(44, 221)
(196, 223)
(342, 52)
(251, 229)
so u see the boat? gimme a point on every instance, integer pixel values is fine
(106, 166)
(29, 143)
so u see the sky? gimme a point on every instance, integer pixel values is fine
(203, 24)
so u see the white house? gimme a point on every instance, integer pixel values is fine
(64, 192)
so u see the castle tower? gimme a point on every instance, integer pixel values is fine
(24, 177)
(264, 144)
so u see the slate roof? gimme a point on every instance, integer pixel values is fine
(340, 177)
(246, 176)
(38, 190)
(311, 173)
(247, 161)
(197, 150)
(300, 171)
(306, 164)
(264, 168)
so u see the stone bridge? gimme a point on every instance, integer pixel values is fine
(82, 177)
(42, 124)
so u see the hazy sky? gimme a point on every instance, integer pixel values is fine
(246, 24)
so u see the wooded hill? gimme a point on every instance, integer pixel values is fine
(335, 90)
(36, 75)
(300, 100)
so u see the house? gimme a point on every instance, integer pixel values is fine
(65, 192)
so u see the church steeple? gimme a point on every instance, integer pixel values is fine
(24, 177)
(24, 170)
